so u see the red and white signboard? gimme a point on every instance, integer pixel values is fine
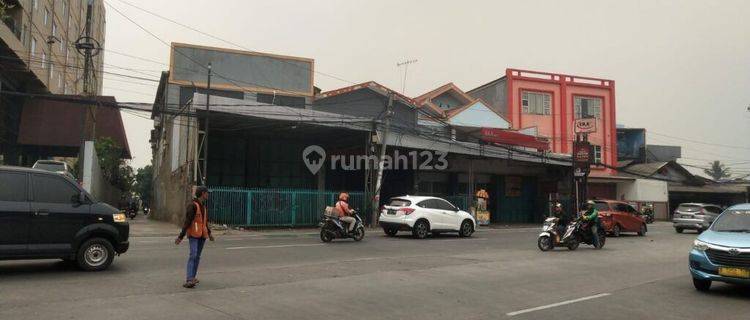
(584, 125)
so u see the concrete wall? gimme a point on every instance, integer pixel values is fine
(93, 180)
(172, 188)
(643, 191)
(254, 72)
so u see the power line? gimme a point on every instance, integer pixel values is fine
(700, 142)
(227, 41)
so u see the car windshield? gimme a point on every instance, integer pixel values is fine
(50, 166)
(399, 203)
(733, 221)
(689, 208)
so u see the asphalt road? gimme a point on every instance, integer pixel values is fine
(494, 275)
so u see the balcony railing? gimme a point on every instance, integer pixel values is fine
(14, 26)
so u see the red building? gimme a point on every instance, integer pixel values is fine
(549, 103)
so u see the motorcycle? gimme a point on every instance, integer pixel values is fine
(576, 232)
(331, 227)
(130, 212)
(648, 215)
(145, 211)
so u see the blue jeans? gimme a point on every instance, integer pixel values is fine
(196, 247)
(595, 233)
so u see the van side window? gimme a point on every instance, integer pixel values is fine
(13, 186)
(51, 189)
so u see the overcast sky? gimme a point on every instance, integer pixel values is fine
(682, 68)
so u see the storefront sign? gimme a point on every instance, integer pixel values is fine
(584, 125)
(582, 156)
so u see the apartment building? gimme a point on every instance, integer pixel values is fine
(38, 55)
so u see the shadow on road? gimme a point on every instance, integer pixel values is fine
(21, 268)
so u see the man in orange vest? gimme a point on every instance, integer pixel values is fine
(196, 228)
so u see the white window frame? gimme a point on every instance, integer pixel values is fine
(33, 47)
(595, 111)
(46, 16)
(597, 150)
(35, 4)
(44, 60)
(546, 100)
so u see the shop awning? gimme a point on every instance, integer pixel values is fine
(56, 121)
(514, 138)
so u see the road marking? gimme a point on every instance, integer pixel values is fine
(515, 313)
(277, 246)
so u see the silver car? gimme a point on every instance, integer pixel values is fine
(695, 216)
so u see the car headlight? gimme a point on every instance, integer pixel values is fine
(700, 245)
(119, 217)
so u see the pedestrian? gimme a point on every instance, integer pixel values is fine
(197, 230)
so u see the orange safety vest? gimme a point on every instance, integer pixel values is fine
(199, 229)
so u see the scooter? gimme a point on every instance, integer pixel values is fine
(331, 227)
(577, 232)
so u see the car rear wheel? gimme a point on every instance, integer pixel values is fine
(702, 285)
(466, 229)
(390, 231)
(616, 231)
(95, 254)
(678, 230)
(420, 229)
(642, 231)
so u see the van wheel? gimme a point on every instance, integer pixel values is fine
(678, 230)
(95, 254)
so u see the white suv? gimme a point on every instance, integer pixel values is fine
(422, 215)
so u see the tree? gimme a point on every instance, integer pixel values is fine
(143, 183)
(717, 170)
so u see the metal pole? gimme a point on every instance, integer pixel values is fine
(383, 146)
(205, 128)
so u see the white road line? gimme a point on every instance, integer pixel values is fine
(277, 246)
(515, 313)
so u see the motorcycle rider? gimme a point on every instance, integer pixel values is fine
(592, 215)
(345, 213)
(562, 219)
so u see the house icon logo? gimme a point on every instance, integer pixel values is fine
(314, 156)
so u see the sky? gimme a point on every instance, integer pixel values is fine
(681, 68)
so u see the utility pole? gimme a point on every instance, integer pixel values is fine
(383, 146)
(405, 64)
(89, 47)
(205, 128)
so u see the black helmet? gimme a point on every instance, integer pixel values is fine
(200, 190)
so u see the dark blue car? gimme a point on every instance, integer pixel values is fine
(722, 253)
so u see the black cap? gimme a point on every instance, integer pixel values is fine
(200, 190)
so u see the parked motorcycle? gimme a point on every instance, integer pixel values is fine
(145, 211)
(331, 227)
(576, 232)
